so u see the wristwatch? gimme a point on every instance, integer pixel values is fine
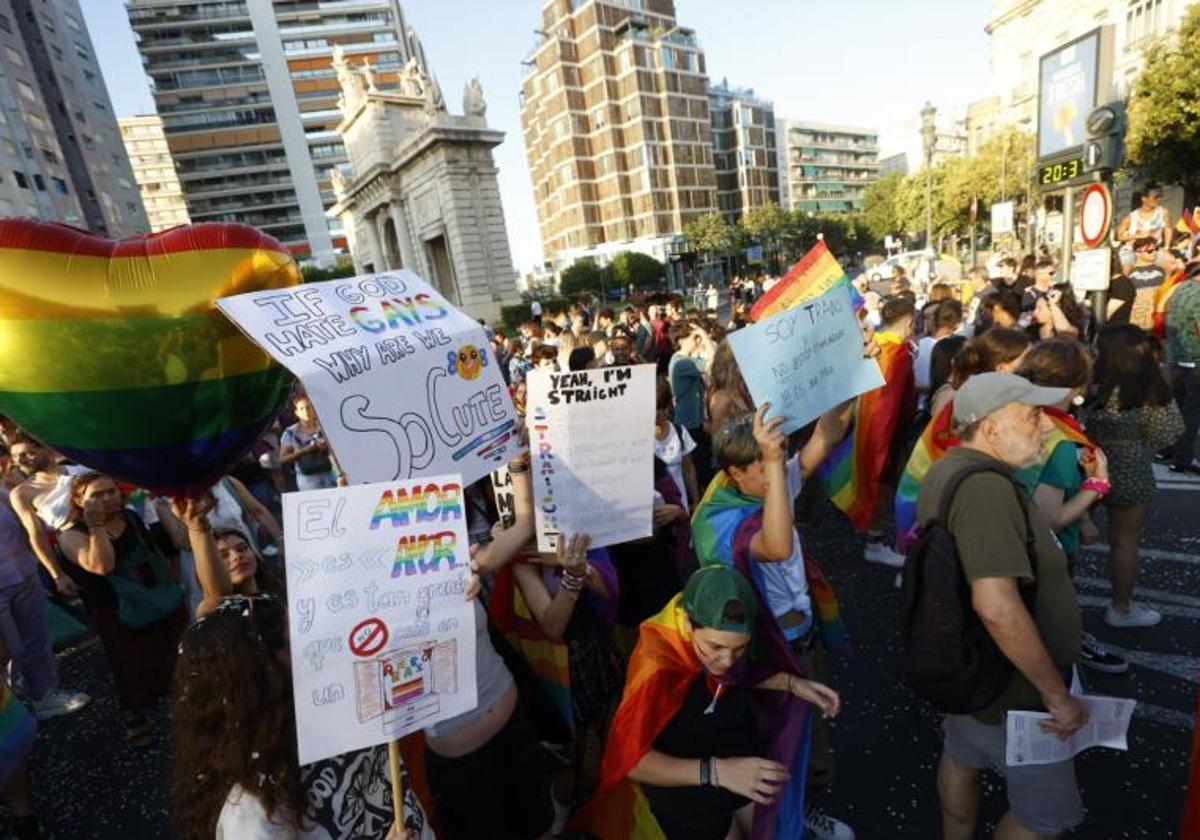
(706, 771)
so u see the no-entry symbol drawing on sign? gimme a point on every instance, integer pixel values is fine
(368, 637)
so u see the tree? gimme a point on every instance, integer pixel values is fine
(879, 205)
(1163, 137)
(765, 225)
(710, 234)
(631, 268)
(583, 276)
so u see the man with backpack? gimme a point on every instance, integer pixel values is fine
(992, 622)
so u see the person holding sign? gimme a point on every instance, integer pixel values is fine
(688, 754)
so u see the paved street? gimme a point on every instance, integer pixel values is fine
(89, 783)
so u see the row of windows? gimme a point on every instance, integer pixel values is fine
(60, 186)
(218, 119)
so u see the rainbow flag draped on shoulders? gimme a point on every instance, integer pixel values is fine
(1162, 299)
(813, 275)
(937, 439)
(851, 473)
(723, 524)
(662, 669)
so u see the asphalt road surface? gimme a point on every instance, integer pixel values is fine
(90, 784)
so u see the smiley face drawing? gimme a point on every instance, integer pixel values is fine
(468, 362)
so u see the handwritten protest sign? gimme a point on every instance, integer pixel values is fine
(383, 640)
(807, 359)
(591, 436)
(502, 493)
(404, 383)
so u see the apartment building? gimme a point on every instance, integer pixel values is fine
(154, 171)
(829, 167)
(617, 128)
(61, 156)
(744, 149)
(248, 99)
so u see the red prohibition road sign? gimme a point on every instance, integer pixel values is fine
(1095, 214)
(368, 637)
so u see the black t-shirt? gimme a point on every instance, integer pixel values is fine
(1146, 276)
(1121, 288)
(703, 813)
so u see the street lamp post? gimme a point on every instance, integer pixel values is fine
(929, 138)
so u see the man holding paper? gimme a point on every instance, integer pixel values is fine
(999, 420)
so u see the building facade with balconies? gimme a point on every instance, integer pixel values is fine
(617, 129)
(249, 102)
(154, 171)
(744, 149)
(829, 167)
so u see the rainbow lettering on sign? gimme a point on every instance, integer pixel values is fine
(423, 554)
(422, 503)
(396, 312)
(543, 484)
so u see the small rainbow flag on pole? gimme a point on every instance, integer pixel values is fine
(816, 273)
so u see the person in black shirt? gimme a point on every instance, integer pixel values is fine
(1121, 295)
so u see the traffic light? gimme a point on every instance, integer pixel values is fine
(1105, 146)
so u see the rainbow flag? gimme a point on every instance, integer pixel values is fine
(113, 352)
(1162, 297)
(1190, 828)
(723, 524)
(662, 669)
(851, 473)
(18, 730)
(1188, 224)
(937, 439)
(813, 275)
(548, 658)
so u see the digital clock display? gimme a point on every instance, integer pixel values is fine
(1060, 171)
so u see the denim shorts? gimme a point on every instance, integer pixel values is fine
(1044, 798)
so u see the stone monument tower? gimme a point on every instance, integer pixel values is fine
(420, 190)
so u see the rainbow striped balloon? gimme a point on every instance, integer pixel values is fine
(113, 353)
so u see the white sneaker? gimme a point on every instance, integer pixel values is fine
(58, 703)
(1138, 616)
(884, 555)
(821, 826)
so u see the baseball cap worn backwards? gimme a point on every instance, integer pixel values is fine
(710, 590)
(984, 393)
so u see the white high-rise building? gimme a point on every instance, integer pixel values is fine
(248, 99)
(154, 171)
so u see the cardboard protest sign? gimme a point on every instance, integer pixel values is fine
(502, 493)
(591, 436)
(807, 359)
(404, 384)
(383, 639)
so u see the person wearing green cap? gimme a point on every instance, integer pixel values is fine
(702, 740)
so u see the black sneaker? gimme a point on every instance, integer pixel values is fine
(1192, 468)
(1094, 655)
(1165, 456)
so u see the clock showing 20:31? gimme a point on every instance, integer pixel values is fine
(1060, 171)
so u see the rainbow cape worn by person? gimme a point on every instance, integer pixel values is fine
(851, 473)
(661, 672)
(1162, 297)
(1190, 829)
(813, 275)
(723, 524)
(938, 439)
(17, 733)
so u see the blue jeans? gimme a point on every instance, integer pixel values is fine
(25, 628)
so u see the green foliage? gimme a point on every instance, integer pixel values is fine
(583, 276)
(765, 224)
(879, 205)
(633, 268)
(518, 313)
(709, 234)
(1163, 137)
(315, 274)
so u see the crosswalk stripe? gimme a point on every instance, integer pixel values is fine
(1142, 593)
(1172, 610)
(1165, 716)
(1150, 554)
(1188, 487)
(1163, 473)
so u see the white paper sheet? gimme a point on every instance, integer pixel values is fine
(1107, 726)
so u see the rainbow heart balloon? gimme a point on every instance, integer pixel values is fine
(114, 354)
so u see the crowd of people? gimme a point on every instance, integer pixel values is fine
(699, 693)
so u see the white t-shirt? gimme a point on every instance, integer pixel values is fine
(785, 583)
(671, 451)
(922, 367)
(536, 309)
(244, 818)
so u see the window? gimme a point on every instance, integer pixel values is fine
(60, 185)
(21, 181)
(14, 56)
(48, 22)
(26, 91)
(49, 155)
(39, 182)
(28, 151)
(5, 24)
(72, 22)
(37, 121)
(82, 51)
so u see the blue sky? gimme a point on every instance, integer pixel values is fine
(862, 62)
